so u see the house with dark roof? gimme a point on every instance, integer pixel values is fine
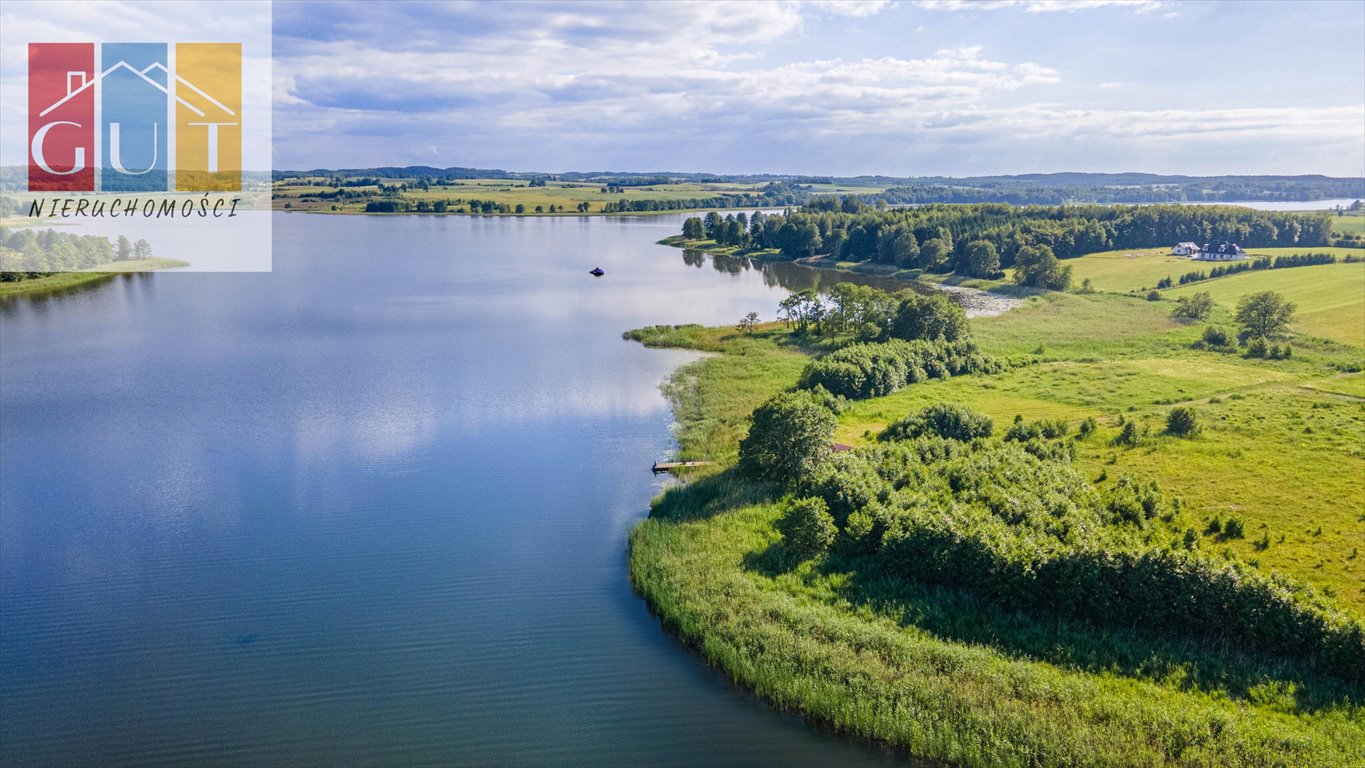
(1220, 251)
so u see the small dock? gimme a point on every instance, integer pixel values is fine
(669, 466)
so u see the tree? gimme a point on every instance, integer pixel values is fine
(693, 229)
(932, 316)
(711, 223)
(125, 249)
(802, 309)
(1196, 307)
(982, 259)
(933, 254)
(898, 246)
(807, 527)
(1265, 315)
(584, 206)
(864, 311)
(521, 208)
(1038, 267)
(747, 323)
(142, 249)
(789, 436)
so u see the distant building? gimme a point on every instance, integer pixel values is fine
(1185, 249)
(1221, 251)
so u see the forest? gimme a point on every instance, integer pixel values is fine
(983, 239)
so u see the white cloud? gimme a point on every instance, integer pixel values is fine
(1038, 6)
(855, 8)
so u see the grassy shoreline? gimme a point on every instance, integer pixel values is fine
(62, 281)
(940, 676)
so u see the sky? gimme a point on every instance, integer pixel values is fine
(936, 87)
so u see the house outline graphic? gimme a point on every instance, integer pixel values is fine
(142, 73)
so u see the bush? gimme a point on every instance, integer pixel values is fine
(1130, 435)
(872, 370)
(1217, 336)
(1087, 427)
(807, 528)
(1257, 347)
(1154, 296)
(790, 436)
(1234, 528)
(1182, 422)
(1196, 307)
(1042, 429)
(954, 422)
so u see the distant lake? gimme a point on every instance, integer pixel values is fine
(1293, 205)
(368, 509)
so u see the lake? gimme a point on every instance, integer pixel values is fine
(368, 509)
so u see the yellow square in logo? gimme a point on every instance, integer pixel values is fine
(208, 117)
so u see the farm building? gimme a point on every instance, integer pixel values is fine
(1184, 249)
(1220, 251)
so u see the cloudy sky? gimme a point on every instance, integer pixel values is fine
(900, 88)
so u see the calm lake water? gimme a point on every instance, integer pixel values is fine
(369, 509)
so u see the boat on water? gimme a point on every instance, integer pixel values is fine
(597, 272)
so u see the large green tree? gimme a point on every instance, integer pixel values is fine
(982, 259)
(1265, 315)
(1038, 267)
(789, 437)
(933, 316)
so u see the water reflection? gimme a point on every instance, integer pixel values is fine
(794, 276)
(404, 464)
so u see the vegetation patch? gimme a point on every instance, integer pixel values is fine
(1151, 563)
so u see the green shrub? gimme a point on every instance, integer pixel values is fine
(1087, 427)
(1217, 336)
(1196, 307)
(1182, 422)
(790, 435)
(1130, 435)
(807, 528)
(954, 422)
(875, 369)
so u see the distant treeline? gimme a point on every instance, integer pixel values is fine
(1028, 189)
(1260, 262)
(982, 239)
(28, 254)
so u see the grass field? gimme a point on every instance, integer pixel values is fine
(935, 671)
(64, 280)
(1330, 297)
(564, 195)
(1352, 223)
(1140, 269)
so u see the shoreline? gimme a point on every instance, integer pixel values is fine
(62, 281)
(981, 298)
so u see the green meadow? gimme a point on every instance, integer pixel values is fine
(935, 671)
(565, 196)
(60, 281)
(1330, 297)
(1141, 269)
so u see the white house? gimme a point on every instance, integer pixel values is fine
(1184, 249)
(1220, 251)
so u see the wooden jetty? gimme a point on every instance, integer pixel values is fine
(669, 466)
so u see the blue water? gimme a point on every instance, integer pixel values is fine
(368, 509)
